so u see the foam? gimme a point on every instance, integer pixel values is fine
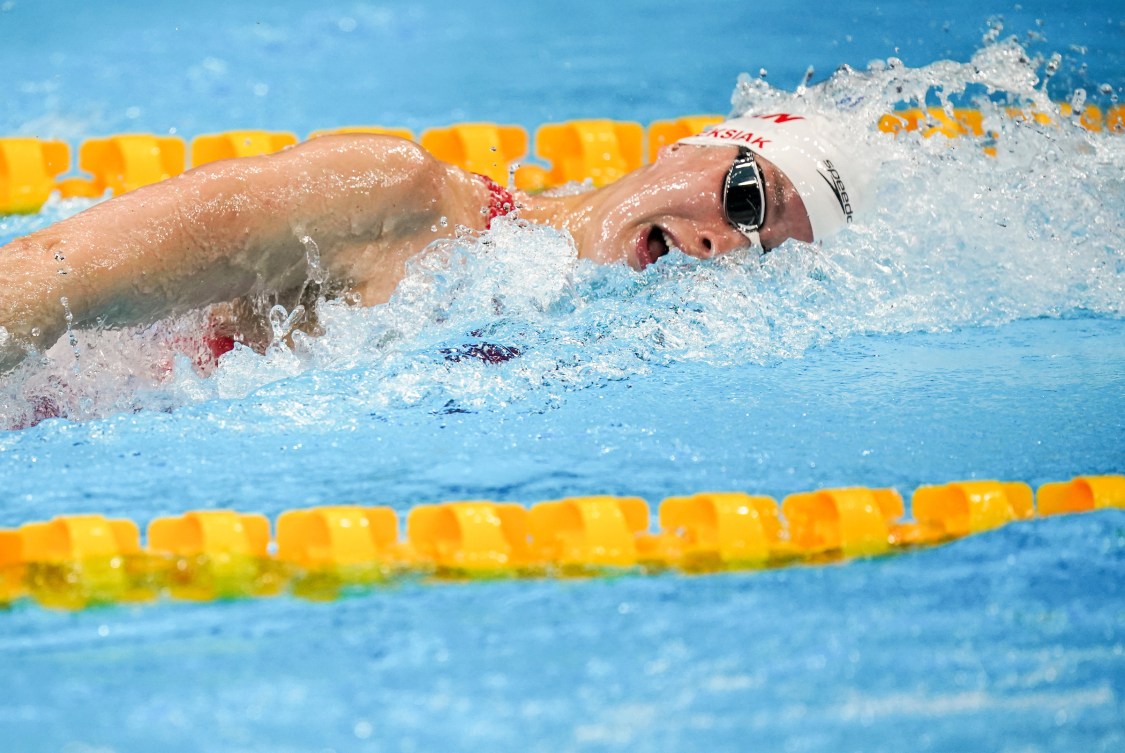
(956, 238)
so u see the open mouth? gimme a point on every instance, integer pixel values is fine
(655, 244)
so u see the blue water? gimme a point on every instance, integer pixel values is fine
(971, 327)
(1034, 400)
(80, 68)
(1006, 641)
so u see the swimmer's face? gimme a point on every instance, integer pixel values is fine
(677, 201)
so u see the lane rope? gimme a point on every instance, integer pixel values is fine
(77, 561)
(595, 150)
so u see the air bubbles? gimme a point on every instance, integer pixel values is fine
(762, 73)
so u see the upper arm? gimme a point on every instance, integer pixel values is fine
(337, 190)
(231, 228)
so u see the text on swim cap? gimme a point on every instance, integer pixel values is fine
(735, 134)
(838, 188)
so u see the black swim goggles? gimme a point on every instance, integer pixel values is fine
(744, 196)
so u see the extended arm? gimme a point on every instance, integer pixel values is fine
(229, 229)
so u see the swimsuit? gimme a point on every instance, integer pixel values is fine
(500, 199)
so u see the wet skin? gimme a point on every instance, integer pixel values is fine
(676, 201)
(237, 231)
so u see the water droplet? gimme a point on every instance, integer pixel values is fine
(762, 73)
(444, 221)
(1078, 100)
(282, 321)
(995, 26)
(312, 258)
(805, 81)
(1053, 64)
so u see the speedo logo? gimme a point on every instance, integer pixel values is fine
(837, 185)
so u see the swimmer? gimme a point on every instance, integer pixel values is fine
(244, 230)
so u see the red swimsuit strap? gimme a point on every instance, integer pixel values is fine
(500, 199)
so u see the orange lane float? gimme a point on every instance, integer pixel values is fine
(75, 561)
(217, 146)
(28, 168)
(853, 521)
(965, 507)
(122, 163)
(721, 529)
(596, 150)
(600, 151)
(484, 148)
(1082, 494)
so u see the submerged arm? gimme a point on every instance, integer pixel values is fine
(226, 230)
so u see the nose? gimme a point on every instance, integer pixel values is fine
(712, 242)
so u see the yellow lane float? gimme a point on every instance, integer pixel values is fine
(76, 561)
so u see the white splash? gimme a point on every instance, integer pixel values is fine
(957, 238)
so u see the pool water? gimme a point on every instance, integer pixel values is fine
(970, 327)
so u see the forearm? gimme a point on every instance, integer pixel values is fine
(132, 260)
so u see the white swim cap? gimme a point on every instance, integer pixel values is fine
(830, 179)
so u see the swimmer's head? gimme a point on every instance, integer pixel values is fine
(750, 181)
(809, 150)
